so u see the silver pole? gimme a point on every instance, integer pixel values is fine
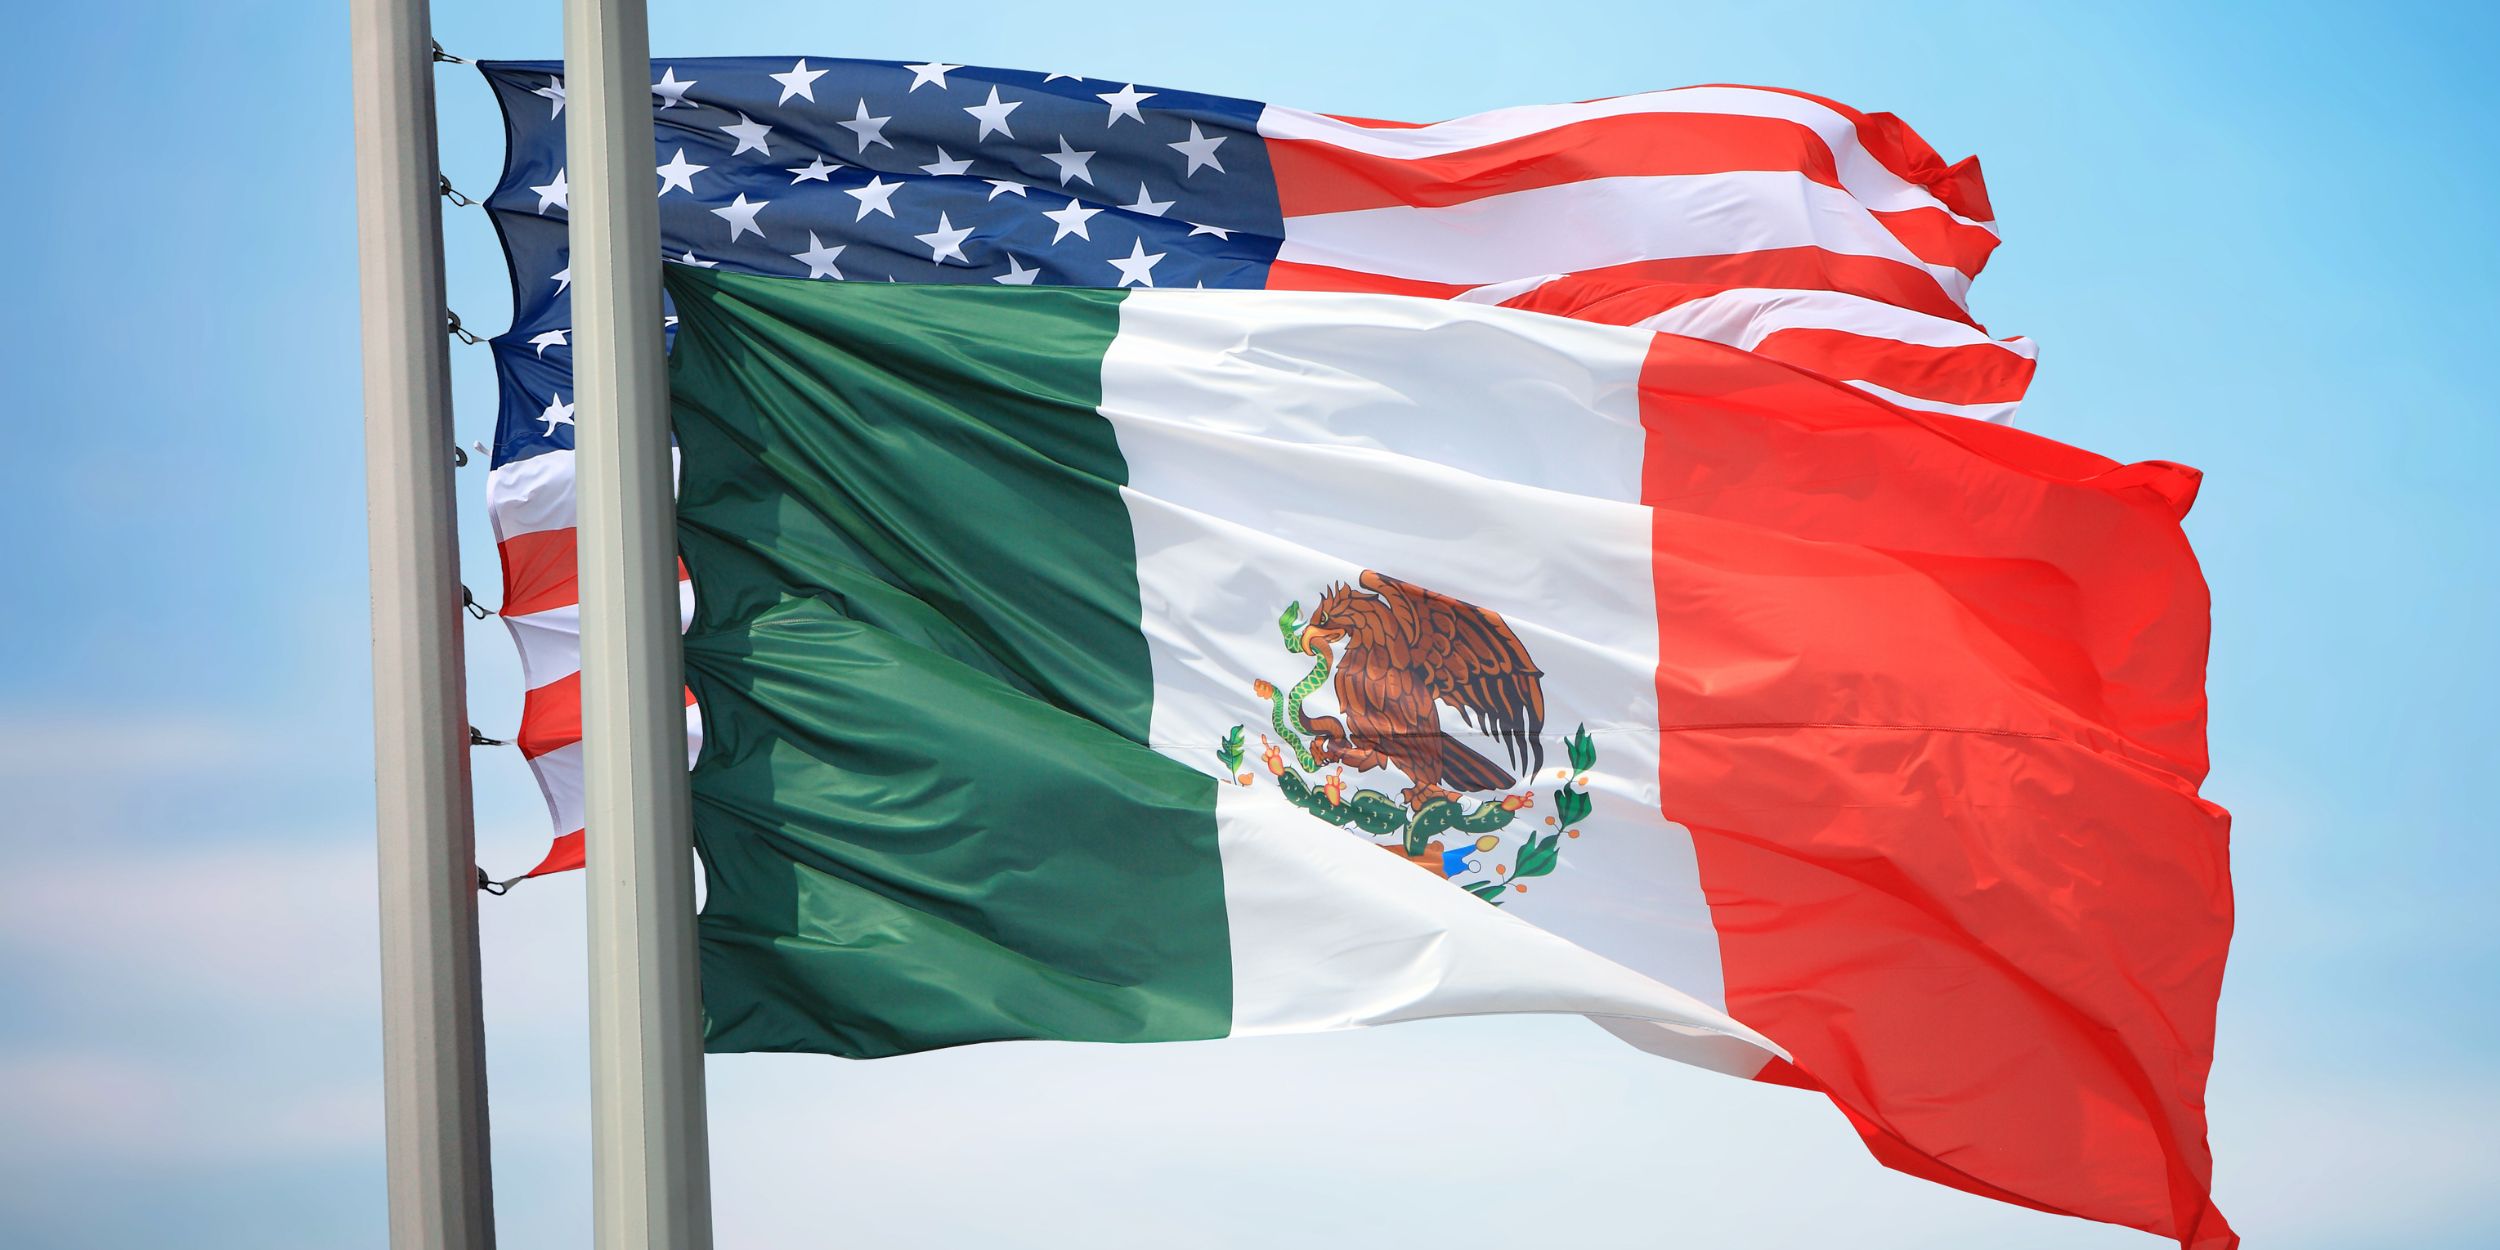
(433, 1035)
(650, 1170)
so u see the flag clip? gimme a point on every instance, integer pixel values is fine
(468, 601)
(452, 323)
(459, 458)
(477, 739)
(444, 58)
(498, 888)
(452, 193)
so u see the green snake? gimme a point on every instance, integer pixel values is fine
(1368, 810)
(1286, 702)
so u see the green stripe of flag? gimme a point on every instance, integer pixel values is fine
(924, 805)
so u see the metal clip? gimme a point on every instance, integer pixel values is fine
(477, 739)
(452, 323)
(444, 58)
(452, 193)
(476, 610)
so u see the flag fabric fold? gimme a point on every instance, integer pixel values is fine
(1142, 665)
(1787, 225)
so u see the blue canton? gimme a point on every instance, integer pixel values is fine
(881, 171)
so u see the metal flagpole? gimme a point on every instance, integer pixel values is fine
(433, 1035)
(650, 1170)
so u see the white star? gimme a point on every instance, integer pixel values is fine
(1199, 149)
(1004, 186)
(816, 169)
(557, 413)
(932, 72)
(819, 259)
(945, 241)
(800, 82)
(553, 194)
(1016, 275)
(678, 174)
(1147, 204)
(671, 92)
(1217, 231)
(563, 278)
(876, 197)
(945, 167)
(867, 129)
(1070, 161)
(552, 338)
(741, 216)
(1071, 220)
(993, 116)
(688, 259)
(1124, 103)
(750, 135)
(554, 90)
(1138, 266)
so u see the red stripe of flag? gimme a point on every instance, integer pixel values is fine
(1317, 177)
(1931, 697)
(1959, 186)
(542, 571)
(1974, 373)
(1624, 294)
(551, 716)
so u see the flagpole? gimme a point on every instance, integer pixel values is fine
(433, 1032)
(650, 1170)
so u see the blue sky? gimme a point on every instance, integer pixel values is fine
(2252, 239)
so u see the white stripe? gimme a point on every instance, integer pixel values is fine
(1865, 177)
(550, 642)
(560, 779)
(1328, 933)
(1999, 414)
(534, 495)
(560, 774)
(1600, 222)
(1745, 316)
(1276, 442)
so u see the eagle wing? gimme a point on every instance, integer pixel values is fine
(1468, 658)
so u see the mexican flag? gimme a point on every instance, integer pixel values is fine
(1148, 665)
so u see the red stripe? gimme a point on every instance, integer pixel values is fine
(1931, 698)
(1974, 373)
(1934, 236)
(564, 856)
(551, 716)
(542, 571)
(1286, 275)
(539, 572)
(1890, 140)
(1374, 123)
(1317, 177)
(1623, 294)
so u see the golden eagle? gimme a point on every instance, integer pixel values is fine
(1406, 650)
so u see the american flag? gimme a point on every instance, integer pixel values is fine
(1774, 221)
